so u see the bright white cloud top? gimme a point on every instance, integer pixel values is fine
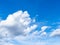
(21, 28)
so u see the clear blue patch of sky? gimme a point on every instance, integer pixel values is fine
(46, 9)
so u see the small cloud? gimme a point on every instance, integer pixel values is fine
(55, 33)
(44, 28)
(17, 23)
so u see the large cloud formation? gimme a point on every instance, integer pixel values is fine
(17, 23)
(20, 27)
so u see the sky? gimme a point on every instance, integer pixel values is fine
(29, 22)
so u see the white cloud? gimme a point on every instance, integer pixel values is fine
(29, 29)
(16, 25)
(44, 28)
(42, 31)
(55, 33)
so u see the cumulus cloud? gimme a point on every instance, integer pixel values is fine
(17, 23)
(18, 26)
(55, 33)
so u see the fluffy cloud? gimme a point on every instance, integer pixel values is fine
(29, 29)
(17, 23)
(55, 33)
(20, 27)
(44, 28)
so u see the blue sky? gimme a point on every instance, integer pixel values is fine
(34, 22)
(46, 9)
